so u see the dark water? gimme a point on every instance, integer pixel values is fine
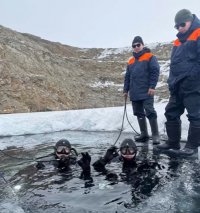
(173, 187)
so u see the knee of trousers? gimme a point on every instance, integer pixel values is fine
(172, 116)
(139, 114)
(150, 112)
(152, 116)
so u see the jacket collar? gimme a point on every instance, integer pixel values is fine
(145, 50)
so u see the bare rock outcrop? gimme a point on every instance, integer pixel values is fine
(39, 75)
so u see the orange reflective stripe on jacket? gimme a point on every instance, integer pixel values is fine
(145, 57)
(131, 60)
(177, 42)
(193, 37)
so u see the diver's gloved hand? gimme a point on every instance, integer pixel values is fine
(84, 162)
(110, 154)
(40, 165)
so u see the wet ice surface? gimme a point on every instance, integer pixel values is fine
(31, 190)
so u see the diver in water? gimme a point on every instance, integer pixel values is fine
(127, 153)
(56, 168)
(65, 156)
(140, 172)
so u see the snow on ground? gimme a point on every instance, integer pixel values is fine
(113, 51)
(99, 119)
(155, 44)
(160, 84)
(164, 67)
(100, 84)
(152, 45)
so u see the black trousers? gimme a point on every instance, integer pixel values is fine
(186, 96)
(144, 108)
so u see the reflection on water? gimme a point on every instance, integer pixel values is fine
(174, 186)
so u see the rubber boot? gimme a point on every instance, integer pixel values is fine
(154, 131)
(174, 135)
(192, 143)
(143, 137)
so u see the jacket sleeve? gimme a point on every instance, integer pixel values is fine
(198, 55)
(127, 80)
(195, 72)
(154, 72)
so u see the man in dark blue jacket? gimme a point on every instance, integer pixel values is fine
(184, 85)
(140, 81)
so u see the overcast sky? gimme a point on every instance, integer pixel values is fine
(95, 23)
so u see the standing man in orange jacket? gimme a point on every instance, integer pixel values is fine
(140, 81)
(184, 85)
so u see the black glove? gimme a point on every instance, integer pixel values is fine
(110, 154)
(84, 162)
(40, 165)
(99, 165)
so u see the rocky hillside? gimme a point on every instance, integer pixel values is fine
(39, 75)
